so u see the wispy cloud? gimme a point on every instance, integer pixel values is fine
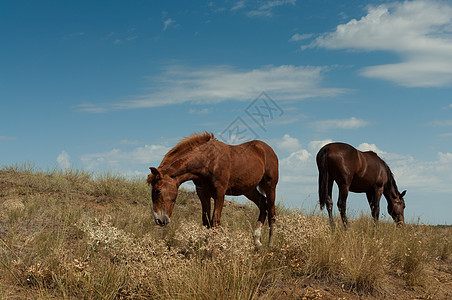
(168, 23)
(300, 37)
(73, 35)
(441, 123)
(6, 138)
(129, 142)
(178, 84)
(346, 124)
(266, 8)
(91, 108)
(203, 111)
(64, 160)
(124, 37)
(239, 5)
(447, 134)
(419, 31)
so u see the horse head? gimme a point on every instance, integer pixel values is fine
(396, 206)
(164, 194)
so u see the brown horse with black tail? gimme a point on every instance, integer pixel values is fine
(217, 169)
(359, 172)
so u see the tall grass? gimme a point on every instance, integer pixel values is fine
(73, 234)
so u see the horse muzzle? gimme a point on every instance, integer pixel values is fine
(161, 219)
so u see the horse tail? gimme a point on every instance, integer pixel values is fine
(261, 189)
(322, 164)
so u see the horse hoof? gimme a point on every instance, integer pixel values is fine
(258, 246)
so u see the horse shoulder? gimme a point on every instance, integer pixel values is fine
(376, 168)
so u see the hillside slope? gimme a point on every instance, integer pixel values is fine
(71, 234)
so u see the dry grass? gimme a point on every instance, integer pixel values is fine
(72, 234)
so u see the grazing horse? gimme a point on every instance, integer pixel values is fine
(217, 169)
(359, 172)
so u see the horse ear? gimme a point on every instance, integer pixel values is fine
(403, 194)
(155, 175)
(154, 171)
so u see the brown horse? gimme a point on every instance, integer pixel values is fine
(359, 172)
(217, 169)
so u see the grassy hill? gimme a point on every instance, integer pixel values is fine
(72, 234)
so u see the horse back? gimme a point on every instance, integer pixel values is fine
(258, 150)
(253, 159)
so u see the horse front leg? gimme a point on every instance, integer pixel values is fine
(374, 202)
(204, 196)
(218, 207)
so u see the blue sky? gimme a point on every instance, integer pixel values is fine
(113, 85)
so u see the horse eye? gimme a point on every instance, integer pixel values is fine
(157, 192)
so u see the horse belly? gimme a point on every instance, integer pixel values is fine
(359, 185)
(239, 185)
(236, 191)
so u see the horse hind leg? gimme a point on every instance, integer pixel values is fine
(329, 202)
(325, 187)
(342, 203)
(261, 202)
(270, 193)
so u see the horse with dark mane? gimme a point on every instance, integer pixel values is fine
(359, 172)
(217, 169)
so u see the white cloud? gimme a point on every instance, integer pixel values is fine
(288, 143)
(371, 147)
(445, 157)
(346, 124)
(64, 160)
(315, 146)
(215, 84)
(419, 31)
(426, 176)
(300, 37)
(297, 158)
(298, 179)
(122, 160)
(298, 167)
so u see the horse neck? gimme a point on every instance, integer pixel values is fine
(390, 187)
(184, 168)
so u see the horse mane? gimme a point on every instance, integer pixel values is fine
(391, 179)
(187, 144)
